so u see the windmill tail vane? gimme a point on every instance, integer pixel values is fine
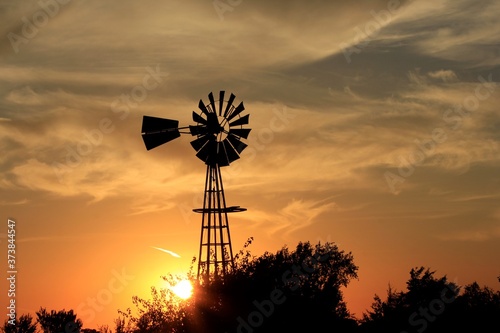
(219, 133)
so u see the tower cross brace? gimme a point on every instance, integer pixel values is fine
(215, 253)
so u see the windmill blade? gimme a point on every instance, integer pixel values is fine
(202, 107)
(209, 150)
(199, 119)
(232, 154)
(229, 104)
(212, 102)
(240, 121)
(198, 130)
(213, 121)
(153, 140)
(200, 142)
(236, 143)
(221, 101)
(241, 132)
(155, 124)
(157, 131)
(236, 111)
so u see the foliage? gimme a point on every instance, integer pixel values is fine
(478, 309)
(104, 329)
(296, 290)
(23, 324)
(120, 326)
(434, 305)
(58, 321)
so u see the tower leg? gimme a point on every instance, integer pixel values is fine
(216, 253)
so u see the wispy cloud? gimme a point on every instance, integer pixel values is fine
(14, 202)
(296, 214)
(472, 235)
(173, 254)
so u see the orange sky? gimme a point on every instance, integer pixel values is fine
(375, 125)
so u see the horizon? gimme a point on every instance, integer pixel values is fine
(375, 126)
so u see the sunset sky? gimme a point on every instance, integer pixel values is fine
(375, 125)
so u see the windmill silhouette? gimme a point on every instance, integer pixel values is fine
(219, 132)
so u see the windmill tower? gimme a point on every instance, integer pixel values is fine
(219, 131)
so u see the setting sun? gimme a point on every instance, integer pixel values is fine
(183, 289)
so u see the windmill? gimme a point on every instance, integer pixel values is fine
(219, 132)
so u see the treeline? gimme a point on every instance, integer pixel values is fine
(296, 290)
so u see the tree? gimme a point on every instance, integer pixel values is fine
(23, 324)
(296, 290)
(434, 305)
(477, 309)
(293, 291)
(104, 329)
(120, 326)
(58, 322)
(425, 306)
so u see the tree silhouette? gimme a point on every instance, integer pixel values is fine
(23, 324)
(425, 306)
(58, 321)
(294, 291)
(104, 329)
(120, 326)
(434, 305)
(306, 284)
(477, 309)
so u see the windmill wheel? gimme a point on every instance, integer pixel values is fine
(219, 130)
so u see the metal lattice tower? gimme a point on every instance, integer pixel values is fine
(216, 253)
(219, 131)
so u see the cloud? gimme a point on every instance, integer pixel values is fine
(460, 30)
(443, 75)
(24, 95)
(462, 198)
(173, 254)
(295, 215)
(348, 118)
(477, 235)
(13, 202)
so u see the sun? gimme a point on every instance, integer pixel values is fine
(183, 289)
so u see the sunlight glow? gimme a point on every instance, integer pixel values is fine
(183, 289)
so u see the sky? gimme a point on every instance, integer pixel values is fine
(375, 125)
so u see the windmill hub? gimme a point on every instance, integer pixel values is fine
(223, 129)
(218, 126)
(219, 133)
